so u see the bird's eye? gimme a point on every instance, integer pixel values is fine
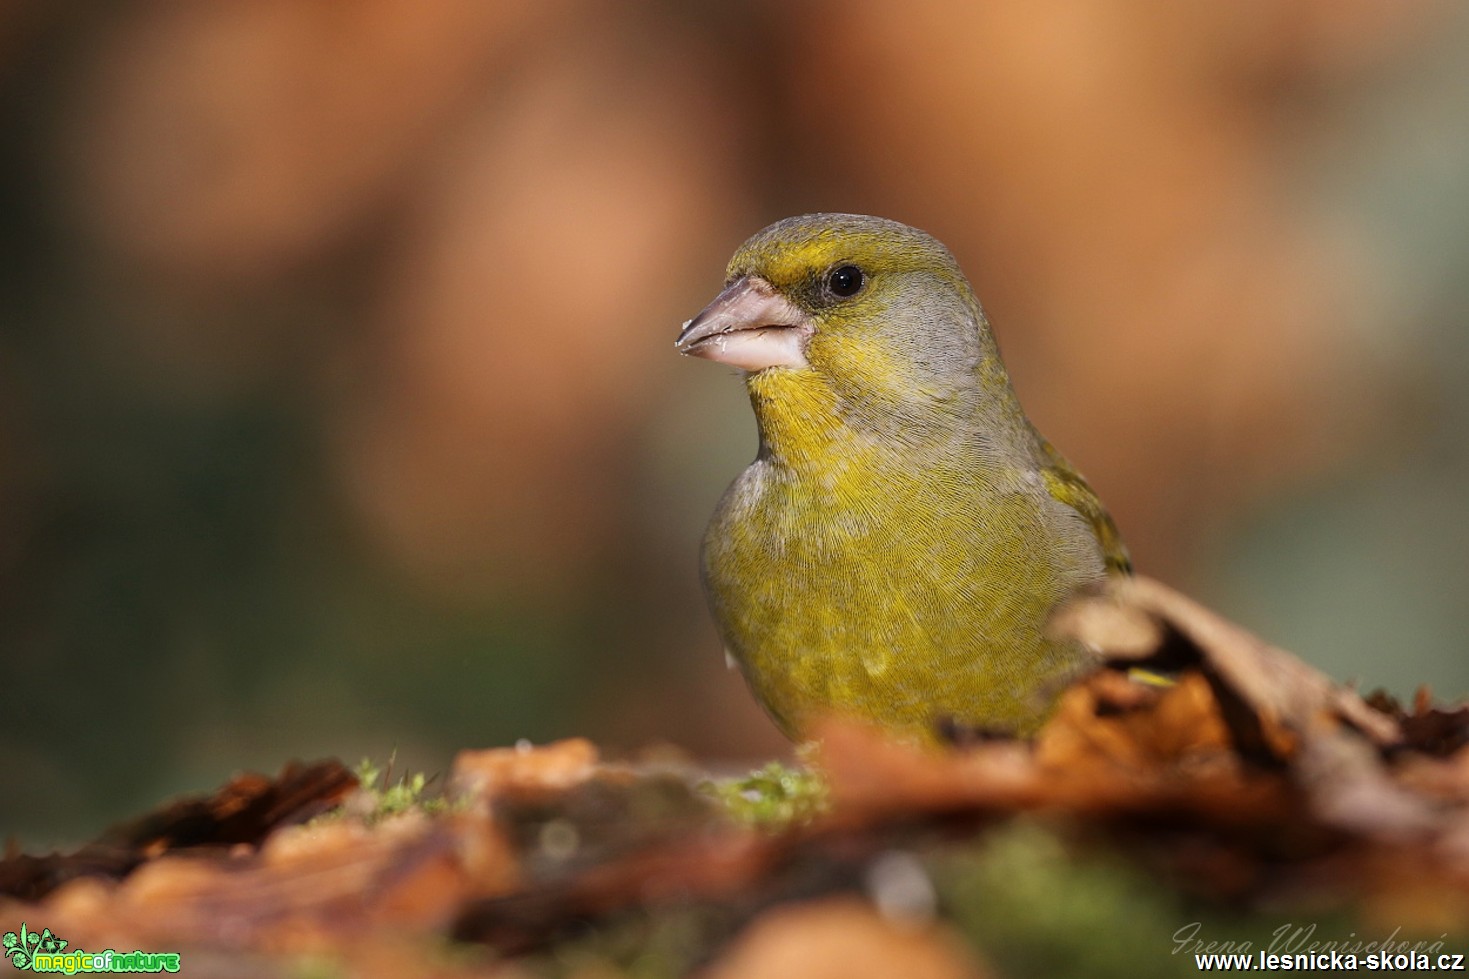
(845, 280)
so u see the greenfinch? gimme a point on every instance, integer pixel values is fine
(897, 546)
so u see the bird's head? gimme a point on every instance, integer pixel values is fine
(874, 310)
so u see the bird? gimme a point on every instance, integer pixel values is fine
(895, 549)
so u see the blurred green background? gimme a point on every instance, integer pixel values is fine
(338, 405)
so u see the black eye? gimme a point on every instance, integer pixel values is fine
(845, 280)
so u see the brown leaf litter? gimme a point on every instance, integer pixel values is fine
(1248, 779)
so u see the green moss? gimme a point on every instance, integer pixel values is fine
(772, 797)
(1037, 908)
(664, 944)
(408, 793)
(378, 796)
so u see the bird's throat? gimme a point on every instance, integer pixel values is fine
(803, 422)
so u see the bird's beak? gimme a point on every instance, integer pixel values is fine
(750, 326)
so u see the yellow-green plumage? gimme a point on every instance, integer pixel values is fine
(898, 544)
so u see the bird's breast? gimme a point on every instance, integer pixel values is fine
(896, 594)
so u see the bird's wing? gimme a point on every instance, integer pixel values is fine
(1066, 485)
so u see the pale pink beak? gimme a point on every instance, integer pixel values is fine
(749, 326)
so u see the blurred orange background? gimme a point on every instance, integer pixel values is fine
(338, 405)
